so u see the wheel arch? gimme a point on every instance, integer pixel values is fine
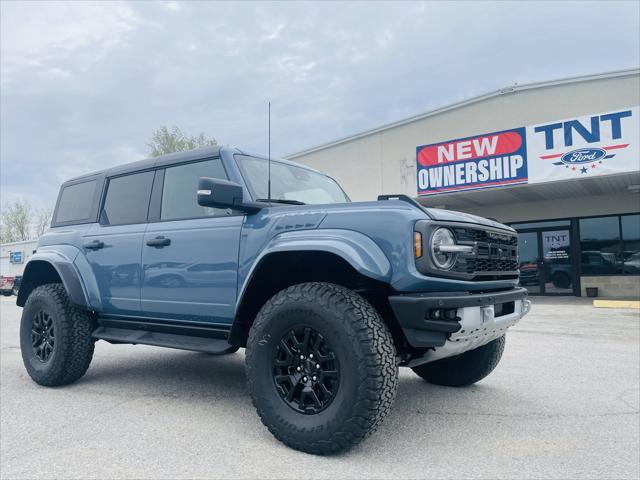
(40, 271)
(281, 268)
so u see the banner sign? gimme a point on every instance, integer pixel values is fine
(581, 147)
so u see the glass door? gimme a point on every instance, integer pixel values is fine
(556, 267)
(529, 261)
(545, 261)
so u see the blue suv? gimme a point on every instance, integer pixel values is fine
(217, 249)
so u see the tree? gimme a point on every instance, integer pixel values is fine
(15, 221)
(43, 221)
(165, 141)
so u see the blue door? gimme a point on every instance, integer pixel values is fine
(190, 254)
(113, 247)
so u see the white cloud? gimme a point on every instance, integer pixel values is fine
(172, 6)
(272, 33)
(36, 34)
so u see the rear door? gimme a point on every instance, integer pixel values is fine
(113, 247)
(189, 253)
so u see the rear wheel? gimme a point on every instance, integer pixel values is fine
(464, 369)
(321, 367)
(55, 337)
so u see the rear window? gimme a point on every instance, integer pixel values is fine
(127, 199)
(76, 202)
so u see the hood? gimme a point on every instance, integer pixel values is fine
(453, 216)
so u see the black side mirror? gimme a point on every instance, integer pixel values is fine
(218, 193)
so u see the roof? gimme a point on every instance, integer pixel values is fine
(480, 98)
(178, 157)
(161, 161)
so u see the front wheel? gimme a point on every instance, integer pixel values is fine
(321, 367)
(464, 369)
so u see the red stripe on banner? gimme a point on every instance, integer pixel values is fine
(446, 189)
(613, 147)
(547, 157)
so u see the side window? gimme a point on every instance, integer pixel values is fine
(179, 193)
(127, 199)
(76, 202)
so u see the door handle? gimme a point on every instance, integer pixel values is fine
(95, 245)
(159, 242)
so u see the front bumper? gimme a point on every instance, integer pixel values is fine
(468, 321)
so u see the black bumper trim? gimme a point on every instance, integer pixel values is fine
(410, 311)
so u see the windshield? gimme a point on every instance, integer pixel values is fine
(289, 182)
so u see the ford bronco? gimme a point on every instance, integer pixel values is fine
(205, 251)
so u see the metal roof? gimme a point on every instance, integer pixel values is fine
(180, 157)
(163, 160)
(510, 89)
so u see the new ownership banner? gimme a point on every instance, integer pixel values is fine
(599, 144)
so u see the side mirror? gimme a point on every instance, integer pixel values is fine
(218, 193)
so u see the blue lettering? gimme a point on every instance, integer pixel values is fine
(614, 118)
(589, 136)
(548, 133)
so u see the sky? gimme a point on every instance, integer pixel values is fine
(83, 85)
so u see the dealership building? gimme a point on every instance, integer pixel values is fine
(559, 161)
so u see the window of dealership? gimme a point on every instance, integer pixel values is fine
(555, 254)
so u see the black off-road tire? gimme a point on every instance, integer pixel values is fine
(366, 355)
(72, 346)
(464, 369)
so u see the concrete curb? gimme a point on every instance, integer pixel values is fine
(616, 304)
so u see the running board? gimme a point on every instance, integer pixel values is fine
(216, 346)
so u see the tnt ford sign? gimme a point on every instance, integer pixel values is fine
(584, 147)
(484, 161)
(581, 147)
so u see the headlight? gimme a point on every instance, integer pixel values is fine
(442, 237)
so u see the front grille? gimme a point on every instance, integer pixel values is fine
(495, 255)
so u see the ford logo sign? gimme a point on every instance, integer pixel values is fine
(582, 155)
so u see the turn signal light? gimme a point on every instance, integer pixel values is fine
(417, 244)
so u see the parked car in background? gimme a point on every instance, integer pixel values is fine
(7, 285)
(16, 284)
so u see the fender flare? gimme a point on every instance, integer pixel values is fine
(62, 261)
(358, 250)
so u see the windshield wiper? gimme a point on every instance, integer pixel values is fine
(280, 200)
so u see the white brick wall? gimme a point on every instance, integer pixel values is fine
(613, 286)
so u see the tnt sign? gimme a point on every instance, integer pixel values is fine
(589, 133)
(489, 160)
(585, 146)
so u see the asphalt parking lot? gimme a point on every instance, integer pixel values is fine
(563, 403)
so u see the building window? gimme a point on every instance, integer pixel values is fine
(630, 244)
(610, 245)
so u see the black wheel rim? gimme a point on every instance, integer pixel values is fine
(42, 336)
(305, 370)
